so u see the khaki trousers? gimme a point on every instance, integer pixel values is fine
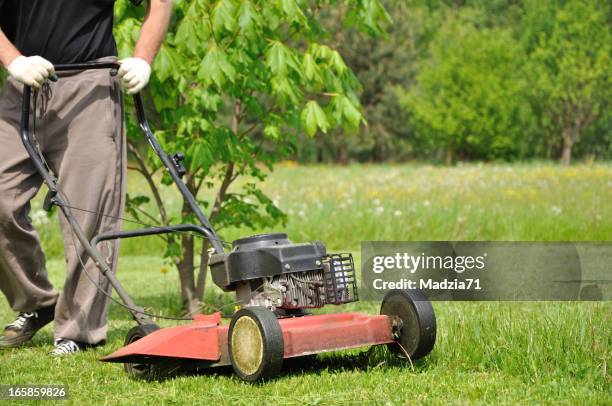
(79, 129)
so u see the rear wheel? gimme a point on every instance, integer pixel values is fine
(145, 371)
(255, 344)
(414, 322)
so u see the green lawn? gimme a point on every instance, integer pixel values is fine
(553, 353)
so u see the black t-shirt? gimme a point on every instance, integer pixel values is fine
(61, 31)
(7, 19)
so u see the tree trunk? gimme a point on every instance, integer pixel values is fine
(186, 276)
(201, 281)
(449, 155)
(377, 152)
(570, 135)
(343, 152)
(320, 150)
(186, 266)
(549, 144)
(566, 156)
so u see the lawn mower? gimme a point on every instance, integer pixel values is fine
(275, 281)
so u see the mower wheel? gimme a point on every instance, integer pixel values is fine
(416, 330)
(145, 371)
(255, 344)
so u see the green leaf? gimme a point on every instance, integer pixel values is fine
(173, 250)
(338, 63)
(312, 117)
(292, 10)
(120, 9)
(272, 132)
(187, 35)
(211, 101)
(223, 16)
(216, 68)
(137, 200)
(276, 59)
(248, 17)
(164, 63)
(286, 90)
(349, 113)
(311, 70)
(201, 156)
(279, 58)
(321, 51)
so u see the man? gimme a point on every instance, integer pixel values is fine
(79, 130)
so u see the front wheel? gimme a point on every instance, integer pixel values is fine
(414, 322)
(255, 344)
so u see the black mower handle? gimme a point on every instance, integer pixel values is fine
(51, 182)
(113, 66)
(86, 66)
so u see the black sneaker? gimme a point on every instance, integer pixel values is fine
(65, 347)
(25, 326)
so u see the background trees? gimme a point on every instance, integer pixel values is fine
(468, 99)
(570, 66)
(558, 106)
(485, 80)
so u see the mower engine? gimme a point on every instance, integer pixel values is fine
(269, 270)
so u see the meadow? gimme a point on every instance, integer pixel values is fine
(494, 352)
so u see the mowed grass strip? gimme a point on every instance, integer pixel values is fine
(509, 353)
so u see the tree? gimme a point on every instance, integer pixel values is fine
(468, 97)
(235, 83)
(380, 63)
(570, 55)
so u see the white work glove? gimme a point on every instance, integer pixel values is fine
(135, 73)
(31, 70)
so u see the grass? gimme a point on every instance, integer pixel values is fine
(495, 352)
(346, 205)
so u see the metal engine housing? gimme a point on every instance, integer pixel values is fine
(269, 270)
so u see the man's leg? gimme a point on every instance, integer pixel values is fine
(86, 142)
(23, 276)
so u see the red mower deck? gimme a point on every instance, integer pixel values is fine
(205, 339)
